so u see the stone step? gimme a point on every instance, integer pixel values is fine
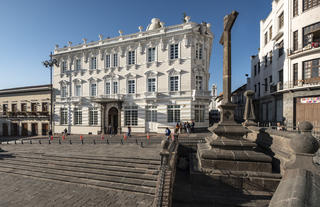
(126, 184)
(115, 173)
(88, 162)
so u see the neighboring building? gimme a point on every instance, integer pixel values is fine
(285, 74)
(148, 80)
(25, 111)
(237, 97)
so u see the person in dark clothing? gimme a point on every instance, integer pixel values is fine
(129, 132)
(168, 132)
(192, 126)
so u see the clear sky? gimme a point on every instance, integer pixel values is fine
(29, 30)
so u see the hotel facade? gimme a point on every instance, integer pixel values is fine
(148, 80)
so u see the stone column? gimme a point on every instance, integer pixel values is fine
(103, 115)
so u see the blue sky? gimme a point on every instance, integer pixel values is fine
(29, 30)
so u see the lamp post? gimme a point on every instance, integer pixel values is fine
(49, 64)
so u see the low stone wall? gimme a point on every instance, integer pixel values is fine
(275, 143)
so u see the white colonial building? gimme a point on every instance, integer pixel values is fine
(148, 80)
(286, 73)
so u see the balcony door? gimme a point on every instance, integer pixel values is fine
(151, 119)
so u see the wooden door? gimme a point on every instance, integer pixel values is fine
(4, 129)
(24, 131)
(45, 128)
(307, 109)
(34, 129)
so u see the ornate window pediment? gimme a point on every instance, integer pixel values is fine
(131, 76)
(173, 72)
(111, 75)
(151, 73)
(78, 81)
(93, 79)
(64, 82)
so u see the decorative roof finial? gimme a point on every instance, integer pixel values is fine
(100, 37)
(187, 19)
(84, 41)
(140, 28)
(120, 32)
(69, 43)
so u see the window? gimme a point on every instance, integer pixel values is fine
(93, 63)
(174, 83)
(108, 88)
(258, 89)
(151, 113)
(270, 57)
(34, 107)
(131, 115)
(107, 61)
(5, 108)
(199, 113)
(93, 89)
(295, 40)
(295, 8)
(77, 116)
(258, 67)
(63, 116)
(281, 50)
(78, 64)
(265, 38)
(151, 54)
(63, 91)
(199, 51)
(78, 90)
(115, 60)
(266, 84)
(308, 4)
(295, 74)
(280, 19)
(266, 61)
(45, 107)
(93, 116)
(255, 88)
(311, 34)
(173, 113)
(174, 51)
(115, 87)
(151, 84)
(131, 58)
(255, 70)
(199, 83)
(24, 107)
(14, 108)
(311, 68)
(131, 86)
(270, 33)
(280, 76)
(64, 67)
(270, 79)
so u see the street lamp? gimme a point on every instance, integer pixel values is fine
(49, 64)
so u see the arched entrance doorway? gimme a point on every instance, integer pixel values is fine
(112, 120)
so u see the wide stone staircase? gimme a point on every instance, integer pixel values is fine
(131, 174)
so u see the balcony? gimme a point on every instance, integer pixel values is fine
(303, 50)
(301, 84)
(25, 114)
(198, 94)
(151, 95)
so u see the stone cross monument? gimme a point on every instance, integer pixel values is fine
(227, 127)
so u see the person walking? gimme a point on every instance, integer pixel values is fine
(168, 133)
(180, 126)
(176, 131)
(192, 126)
(188, 128)
(129, 132)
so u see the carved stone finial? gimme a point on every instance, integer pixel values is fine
(140, 28)
(249, 115)
(162, 24)
(187, 18)
(69, 43)
(57, 46)
(84, 40)
(120, 32)
(100, 37)
(208, 25)
(304, 142)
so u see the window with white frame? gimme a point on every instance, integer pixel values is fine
(115, 87)
(131, 58)
(64, 67)
(63, 116)
(199, 113)
(78, 64)
(108, 63)
(174, 83)
(115, 60)
(64, 91)
(199, 83)
(174, 51)
(78, 90)
(93, 116)
(108, 88)
(77, 116)
(151, 84)
(131, 86)
(93, 63)
(199, 51)
(151, 113)
(131, 115)
(93, 89)
(173, 113)
(151, 54)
